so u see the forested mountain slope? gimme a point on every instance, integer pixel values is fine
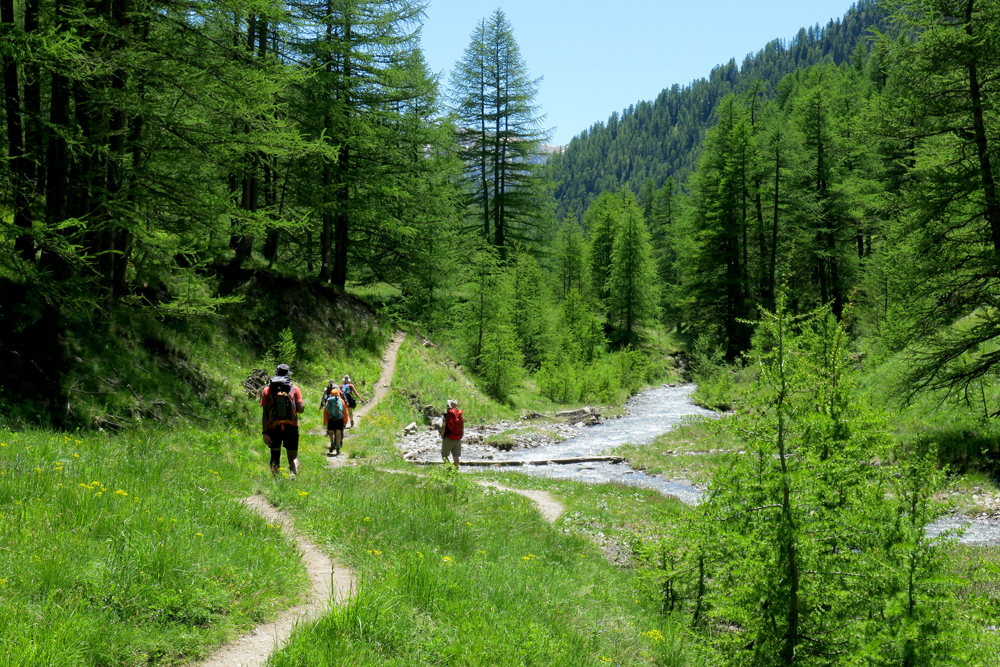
(655, 140)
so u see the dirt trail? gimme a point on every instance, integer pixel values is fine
(550, 508)
(385, 379)
(381, 388)
(331, 584)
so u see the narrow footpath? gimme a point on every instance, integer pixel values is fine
(381, 389)
(331, 582)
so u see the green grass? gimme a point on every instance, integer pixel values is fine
(455, 574)
(690, 451)
(134, 549)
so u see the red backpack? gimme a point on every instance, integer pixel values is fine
(453, 424)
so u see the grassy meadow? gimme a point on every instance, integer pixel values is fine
(131, 546)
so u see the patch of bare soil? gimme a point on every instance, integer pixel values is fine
(331, 584)
(550, 508)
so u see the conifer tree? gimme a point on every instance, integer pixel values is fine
(499, 131)
(813, 551)
(633, 288)
(601, 224)
(943, 106)
(569, 255)
(714, 248)
(371, 103)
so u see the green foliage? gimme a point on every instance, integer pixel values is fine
(633, 293)
(529, 313)
(802, 503)
(491, 334)
(658, 139)
(711, 373)
(285, 348)
(499, 133)
(610, 379)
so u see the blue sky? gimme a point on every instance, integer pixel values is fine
(598, 57)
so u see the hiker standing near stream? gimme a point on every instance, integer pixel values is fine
(452, 428)
(281, 402)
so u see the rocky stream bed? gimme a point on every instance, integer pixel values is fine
(579, 446)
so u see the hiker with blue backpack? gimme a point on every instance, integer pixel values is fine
(351, 397)
(282, 402)
(333, 416)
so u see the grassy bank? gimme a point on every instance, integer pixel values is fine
(130, 545)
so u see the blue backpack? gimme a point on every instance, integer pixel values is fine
(334, 407)
(348, 392)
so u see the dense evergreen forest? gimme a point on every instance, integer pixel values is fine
(660, 139)
(159, 156)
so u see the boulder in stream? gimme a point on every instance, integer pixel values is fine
(575, 416)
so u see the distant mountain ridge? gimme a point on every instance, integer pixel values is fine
(655, 140)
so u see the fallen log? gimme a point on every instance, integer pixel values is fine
(486, 463)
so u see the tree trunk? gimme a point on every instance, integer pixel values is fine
(772, 264)
(19, 163)
(341, 227)
(34, 141)
(483, 164)
(982, 145)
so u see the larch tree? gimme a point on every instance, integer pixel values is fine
(371, 97)
(499, 131)
(601, 224)
(945, 106)
(633, 287)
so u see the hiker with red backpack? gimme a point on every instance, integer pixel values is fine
(351, 396)
(333, 417)
(452, 429)
(282, 403)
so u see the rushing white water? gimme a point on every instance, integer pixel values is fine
(650, 414)
(978, 531)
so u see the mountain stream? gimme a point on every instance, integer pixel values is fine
(650, 414)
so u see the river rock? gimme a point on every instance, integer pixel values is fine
(410, 428)
(575, 416)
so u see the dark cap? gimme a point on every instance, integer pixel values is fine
(283, 369)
